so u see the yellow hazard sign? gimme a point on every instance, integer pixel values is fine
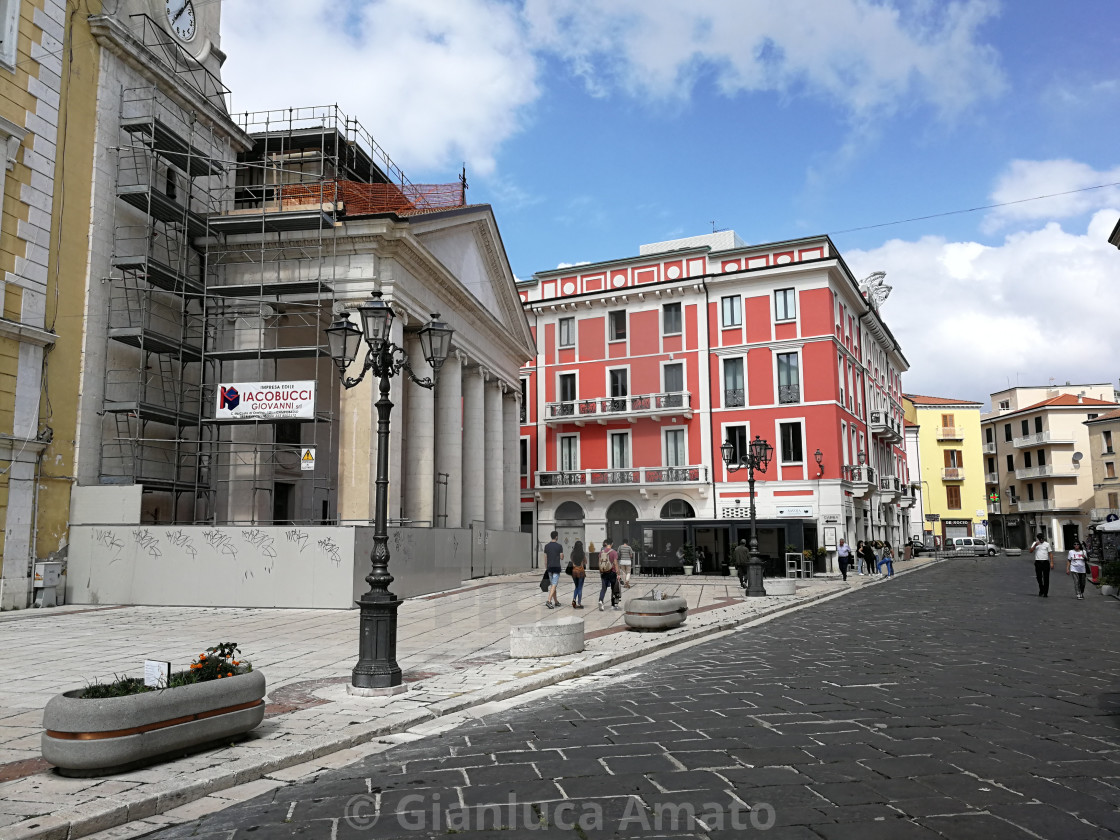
(307, 459)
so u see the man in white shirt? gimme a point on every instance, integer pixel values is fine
(1043, 563)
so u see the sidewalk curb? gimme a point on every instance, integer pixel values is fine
(161, 797)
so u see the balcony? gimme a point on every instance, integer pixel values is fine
(1047, 471)
(1102, 514)
(634, 476)
(734, 397)
(883, 425)
(607, 409)
(890, 486)
(989, 448)
(1042, 438)
(950, 433)
(789, 394)
(862, 477)
(1037, 505)
(952, 473)
(991, 478)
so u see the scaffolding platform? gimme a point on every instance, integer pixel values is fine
(167, 143)
(160, 207)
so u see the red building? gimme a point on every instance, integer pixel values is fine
(646, 365)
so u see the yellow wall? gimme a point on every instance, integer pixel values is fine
(68, 261)
(931, 451)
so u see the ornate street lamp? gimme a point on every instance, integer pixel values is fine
(377, 670)
(819, 456)
(755, 458)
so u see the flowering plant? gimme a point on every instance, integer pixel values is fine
(216, 663)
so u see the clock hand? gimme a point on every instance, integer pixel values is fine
(179, 13)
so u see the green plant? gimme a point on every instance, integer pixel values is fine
(1110, 573)
(808, 554)
(688, 554)
(216, 663)
(822, 551)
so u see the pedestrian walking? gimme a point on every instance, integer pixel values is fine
(608, 574)
(869, 558)
(577, 568)
(1075, 565)
(625, 561)
(742, 558)
(887, 560)
(1043, 563)
(554, 562)
(857, 558)
(843, 557)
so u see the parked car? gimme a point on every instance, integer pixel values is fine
(917, 546)
(972, 545)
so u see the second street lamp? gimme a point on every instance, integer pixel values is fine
(377, 669)
(755, 458)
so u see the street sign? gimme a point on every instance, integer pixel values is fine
(307, 459)
(1112, 517)
(932, 517)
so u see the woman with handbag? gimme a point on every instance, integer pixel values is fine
(577, 568)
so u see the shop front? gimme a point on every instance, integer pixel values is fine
(668, 545)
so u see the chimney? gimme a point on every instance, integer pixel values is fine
(1081, 398)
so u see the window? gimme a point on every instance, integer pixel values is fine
(734, 394)
(1113, 501)
(524, 400)
(790, 434)
(1011, 463)
(947, 421)
(569, 453)
(843, 376)
(9, 31)
(731, 312)
(1091, 416)
(619, 450)
(674, 377)
(567, 389)
(1004, 405)
(1007, 431)
(675, 455)
(1045, 491)
(1011, 494)
(1030, 492)
(671, 319)
(789, 379)
(953, 496)
(988, 436)
(785, 305)
(567, 332)
(1042, 457)
(1106, 442)
(1026, 427)
(1110, 469)
(616, 321)
(289, 433)
(618, 382)
(737, 437)
(1027, 460)
(1038, 425)
(991, 465)
(954, 458)
(524, 457)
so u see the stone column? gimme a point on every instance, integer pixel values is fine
(495, 455)
(449, 441)
(474, 446)
(511, 446)
(419, 438)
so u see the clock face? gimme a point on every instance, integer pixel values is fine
(180, 14)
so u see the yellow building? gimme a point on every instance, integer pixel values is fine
(950, 464)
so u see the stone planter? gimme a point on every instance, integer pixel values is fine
(644, 613)
(1108, 590)
(780, 586)
(552, 637)
(100, 736)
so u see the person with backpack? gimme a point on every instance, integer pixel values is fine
(625, 561)
(577, 568)
(608, 573)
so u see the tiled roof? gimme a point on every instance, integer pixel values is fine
(917, 399)
(1067, 401)
(1111, 415)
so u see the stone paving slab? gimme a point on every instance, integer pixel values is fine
(453, 645)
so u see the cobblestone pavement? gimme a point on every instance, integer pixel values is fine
(952, 703)
(453, 647)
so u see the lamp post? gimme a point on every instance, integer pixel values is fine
(377, 670)
(819, 457)
(756, 457)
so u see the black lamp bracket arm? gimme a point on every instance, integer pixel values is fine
(393, 360)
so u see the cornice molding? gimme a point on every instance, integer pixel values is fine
(26, 334)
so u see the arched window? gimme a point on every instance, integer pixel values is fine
(677, 509)
(569, 512)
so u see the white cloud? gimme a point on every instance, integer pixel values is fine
(434, 82)
(868, 58)
(1025, 179)
(970, 317)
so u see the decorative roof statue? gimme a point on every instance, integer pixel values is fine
(874, 288)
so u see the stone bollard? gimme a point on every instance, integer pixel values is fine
(551, 637)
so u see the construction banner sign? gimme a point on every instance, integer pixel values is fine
(266, 401)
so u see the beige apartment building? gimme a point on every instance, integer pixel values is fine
(1104, 438)
(1035, 446)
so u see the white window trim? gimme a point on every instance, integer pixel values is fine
(560, 345)
(626, 337)
(629, 449)
(9, 32)
(723, 427)
(739, 306)
(783, 351)
(844, 442)
(560, 452)
(665, 432)
(607, 381)
(684, 374)
(568, 372)
(723, 382)
(679, 305)
(774, 305)
(788, 421)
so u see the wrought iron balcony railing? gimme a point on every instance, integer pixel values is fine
(604, 409)
(789, 394)
(628, 475)
(734, 397)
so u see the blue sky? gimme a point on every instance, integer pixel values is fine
(595, 127)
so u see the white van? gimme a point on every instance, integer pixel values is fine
(971, 545)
